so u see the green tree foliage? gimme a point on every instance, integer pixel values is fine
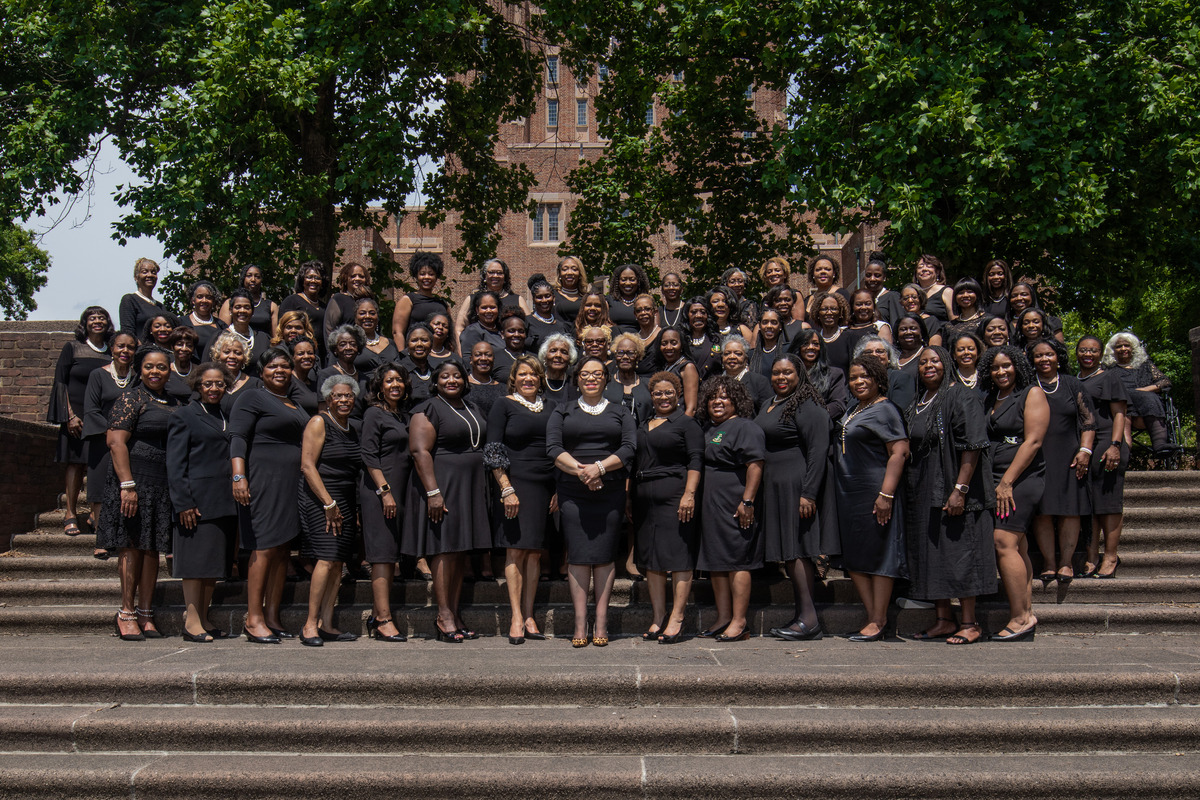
(260, 128)
(23, 267)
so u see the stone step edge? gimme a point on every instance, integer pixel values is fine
(609, 730)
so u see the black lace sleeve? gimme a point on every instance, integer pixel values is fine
(125, 411)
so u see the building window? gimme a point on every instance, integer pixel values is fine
(581, 112)
(546, 223)
(650, 113)
(552, 113)
(552, 69)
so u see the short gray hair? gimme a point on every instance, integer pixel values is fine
(334, 381)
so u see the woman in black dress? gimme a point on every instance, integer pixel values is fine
(137, 307)
(558, 355)
(628, 282)
(265, 431)
(426, 269)
(308, 298)
(524, 474)
(486, 388)
(264, 316)
(731, 543)
(671, 350)
(930, 275)
(385, 478)
(1067, 450)
(771, 344)
(671, 291)
(591, 441)
(203, 301)
(666, 477)
(570, 282)
(830, 315)
(796, 427)
(1144, 382)
(330, 460)
(255, 342)
(701, 344)
(136, 513)
(1018, 416)
(82, 356)
(182, 345)
(515, 333)
(543, 320)
(447, 506)
(304, 390)
(198, 475)
(377, 348)
(353, 283)
(830, 382)
(1110, 458)
(157, 330)
(416, 361)
(949, 500)
(870, 450)
(229, 351)
(735, 359)
(483, 322)
(911, 339)
(997, 281)
(444, 340)
(104, 386)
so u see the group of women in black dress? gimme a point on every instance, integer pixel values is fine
(926, 435)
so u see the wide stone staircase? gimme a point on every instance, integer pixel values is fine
(1104, 703)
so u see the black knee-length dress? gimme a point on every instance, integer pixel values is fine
(1006, 431)
(729, 447)
(1071, 413)
(516, 438)
(591, 521)
(458, 467)
(338, 465)
(384, 444)
(794, 468)
(861, 458)
(1107, 486)
(266, 431)
(665, 456)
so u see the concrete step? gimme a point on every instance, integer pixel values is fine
(629, 621)
(982, 777)
(1059, 671)
(619, 730)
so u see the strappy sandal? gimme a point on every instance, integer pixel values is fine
(958, 638)
(926, 636)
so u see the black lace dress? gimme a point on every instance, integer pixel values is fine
(146, 416)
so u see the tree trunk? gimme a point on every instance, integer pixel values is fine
(318, 231)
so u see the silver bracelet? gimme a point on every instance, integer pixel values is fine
(508, 492)
(434, 493)
(331, 506)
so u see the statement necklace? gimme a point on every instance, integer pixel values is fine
(595, 410)
(475, 433)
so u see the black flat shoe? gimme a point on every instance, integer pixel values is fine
(203, 638)
(250, 637)
(803, 634)
(1024, 636)
(373, 631)
(311, 641)
(516, 640)
(344, 636)
(741, 637)
(536, 636)
(862, 637)
(281, 633)
(713, 633)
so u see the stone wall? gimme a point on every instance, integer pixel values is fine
(28, 352)
(32, 481)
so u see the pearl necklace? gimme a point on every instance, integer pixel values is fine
(1057, 383)
(473, 433)
(536, 406)
(103, 349)
(971, 382)
(595, 410)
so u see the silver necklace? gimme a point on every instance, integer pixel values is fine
(969, 383)
(473, 433)
(1057, 383)
(103, 349)
(536, 406)
(595, 410)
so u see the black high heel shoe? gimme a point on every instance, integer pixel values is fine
(373, 631)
